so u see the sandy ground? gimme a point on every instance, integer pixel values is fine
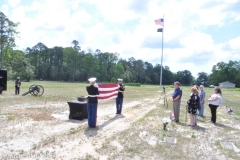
(38, 128)
(45, 132)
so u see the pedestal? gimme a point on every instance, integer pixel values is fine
(77, 110)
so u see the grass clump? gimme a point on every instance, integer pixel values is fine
(11, 117)
(141, 119)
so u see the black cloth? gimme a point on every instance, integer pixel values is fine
(120, 91)
(92, 91)
(193, 104)
(77, 110)
(213, 109)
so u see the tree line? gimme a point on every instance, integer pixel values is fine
(73, 64)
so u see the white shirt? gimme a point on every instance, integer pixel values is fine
(214, 101)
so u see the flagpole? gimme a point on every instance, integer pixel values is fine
(162, 56)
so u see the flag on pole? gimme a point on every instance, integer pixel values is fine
(160, 30)
(159, 22)
(107, 91)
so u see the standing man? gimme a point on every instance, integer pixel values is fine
(202, 98)
(17, 85)
(119, 99)
(92, 103)
(176, 99)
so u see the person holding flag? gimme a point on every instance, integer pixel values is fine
(119, 99)
(92, 102)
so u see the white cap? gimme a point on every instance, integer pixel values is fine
(93, 79)
(120, 79)
(18, 77)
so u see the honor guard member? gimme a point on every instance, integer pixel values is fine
(17, 85)
(119, 99)
(92, 103)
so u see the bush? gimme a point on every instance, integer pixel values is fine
(132, 84)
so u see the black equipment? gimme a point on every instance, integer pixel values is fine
(35, 90)
(163, 95)
(3, 80)
(78, 108)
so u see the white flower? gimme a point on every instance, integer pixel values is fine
(166, 120)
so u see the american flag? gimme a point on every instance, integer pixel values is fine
(107, 91)
(159, 22)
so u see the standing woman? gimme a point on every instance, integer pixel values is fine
(214, 101)
(17, 85)
(192, 104)
(92, 103)
(119, 99)
(202, 95)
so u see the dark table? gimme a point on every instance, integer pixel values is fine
(78, 110)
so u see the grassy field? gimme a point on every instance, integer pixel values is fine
(38, 127)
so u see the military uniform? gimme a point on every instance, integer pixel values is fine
(119, 99)
(17, 85)
(92, 104)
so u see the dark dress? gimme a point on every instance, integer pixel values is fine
(193, 104)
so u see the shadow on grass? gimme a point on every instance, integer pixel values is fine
(180, 123)
(199, 128)
(91, 132)
(224, 126)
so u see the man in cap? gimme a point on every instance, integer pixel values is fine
(17, 85)
(119, 99)
(92, 103)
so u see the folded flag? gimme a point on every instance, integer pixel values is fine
(107, 91)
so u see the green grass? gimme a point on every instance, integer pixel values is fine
(141, 119)
(132, 84)
(11, 117)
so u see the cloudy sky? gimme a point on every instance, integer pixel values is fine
(197, 34)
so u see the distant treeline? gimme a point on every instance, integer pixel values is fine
(73, 64)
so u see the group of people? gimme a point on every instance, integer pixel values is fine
(195, 104)
(93, 101)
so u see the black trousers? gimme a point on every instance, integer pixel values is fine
(213, 109)
(17, 90)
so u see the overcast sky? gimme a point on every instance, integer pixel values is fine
(197, 34)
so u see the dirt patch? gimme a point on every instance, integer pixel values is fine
(44, 116)
(35, 114)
